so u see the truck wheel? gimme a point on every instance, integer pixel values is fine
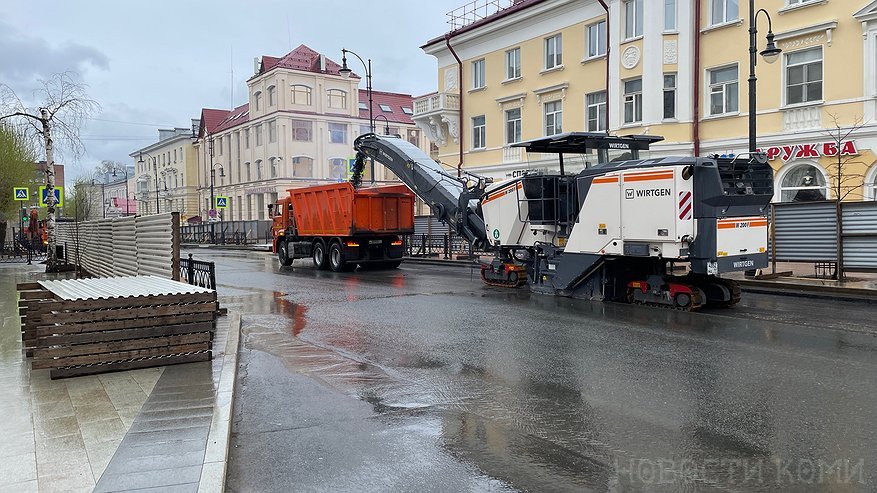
(321, 260)
(336, 258)
(283, 253)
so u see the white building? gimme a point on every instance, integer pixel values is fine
(296, 130)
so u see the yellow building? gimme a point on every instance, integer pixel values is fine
(166, 175)
(675, 68)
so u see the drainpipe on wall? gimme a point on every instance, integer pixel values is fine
(608, 51)
(460, 87)
(695, 128)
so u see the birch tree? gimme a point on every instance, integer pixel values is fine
(61, 109)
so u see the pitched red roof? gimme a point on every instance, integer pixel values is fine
(235, 117)
(302, 58)
(210, 120)
(396, 101)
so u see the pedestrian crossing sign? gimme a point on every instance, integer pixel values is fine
(221, 202)
(22, 194)
(59, 196)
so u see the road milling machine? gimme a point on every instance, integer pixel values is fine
(654, 231)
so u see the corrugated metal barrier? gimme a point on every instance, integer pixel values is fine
(859, 229)
(805, 232)
(809, 232)
(125, 246)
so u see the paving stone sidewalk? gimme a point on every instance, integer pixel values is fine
(109, 432)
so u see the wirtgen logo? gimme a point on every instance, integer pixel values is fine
(628, 194)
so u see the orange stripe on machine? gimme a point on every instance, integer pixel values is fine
(742, 222)
(606, 179)
(502, 192)
(668, 175)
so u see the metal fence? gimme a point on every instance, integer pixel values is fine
(227, 232)
(22, 251)
(198, 272)
(844, 233)
(444, 246)
(124, 246)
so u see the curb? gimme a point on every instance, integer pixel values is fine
(809, 291)
(215, 466)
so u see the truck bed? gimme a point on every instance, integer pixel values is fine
(337, 209)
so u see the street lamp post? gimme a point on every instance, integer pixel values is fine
(212, 196)
(345, 72)
(155, 172)
(770, 54)
(387, 126)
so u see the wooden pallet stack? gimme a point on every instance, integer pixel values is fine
(82, 327)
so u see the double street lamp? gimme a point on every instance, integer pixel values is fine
(155, 172)
(770, 54)
(345, 72)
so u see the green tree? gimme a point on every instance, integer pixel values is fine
(17, 169)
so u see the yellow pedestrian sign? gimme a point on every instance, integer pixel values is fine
(59, 196)
(22, 194)
(221, 202)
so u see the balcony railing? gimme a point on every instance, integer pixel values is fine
(511, 154)
(805, 117)
(442, 101)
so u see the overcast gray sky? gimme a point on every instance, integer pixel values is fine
(156, 63)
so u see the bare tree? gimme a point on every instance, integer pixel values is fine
(63, 107)
(81, 205)
(843, 180)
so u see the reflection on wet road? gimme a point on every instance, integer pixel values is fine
(423, 379)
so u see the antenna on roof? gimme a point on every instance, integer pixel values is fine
(231, 66)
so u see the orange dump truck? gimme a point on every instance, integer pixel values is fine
(340, 227)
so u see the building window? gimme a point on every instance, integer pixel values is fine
(669, 15)
(669, 96)
(246, 138)
(724, 11)
(633, 101)
(597, 39)
(258, 135)
(302, 130)
(804, 76)
(407, 111)
(386, 108)
(363, 106)
(302, 167)
(513, 64)
(633, 18)
(257, 100)
(337, 98)
(272, 162)
(513, 126)
(337, 133)
(301, 95)
(596, 111)
(272, 131)
(803, 183)
(247, 169)
(272, 96)
(553, 52)
(339, 168)
(478, 74)
(258, 169)
(723, 90)
(479, 132)
(553, 117)
(414, 137)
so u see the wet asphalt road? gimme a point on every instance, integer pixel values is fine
(423, 379)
